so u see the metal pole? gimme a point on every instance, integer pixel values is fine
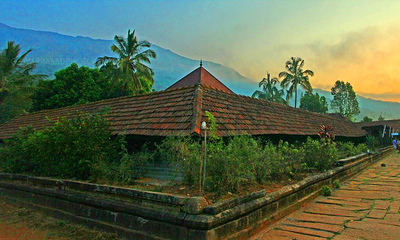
(205, 161)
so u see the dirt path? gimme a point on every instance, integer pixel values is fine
(18, 223)
(366, 207)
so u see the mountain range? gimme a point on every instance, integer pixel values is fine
(53, 51)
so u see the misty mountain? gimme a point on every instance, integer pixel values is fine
(53, 51)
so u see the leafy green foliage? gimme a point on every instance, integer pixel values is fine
(344, 100)
(372, 142)
(366, 119)
(295, 76)
(269, 90)
(129, 67)
(16, 82)
(336, 184)
(185, 154)
(381, 118)
(228, 166)
(78, 148)
(326, 190)
(212, 133)
(319, 155)
(278, 161)
(347, 149)
(74, 85)
(83, 148)
(242, 161)
(314, 103)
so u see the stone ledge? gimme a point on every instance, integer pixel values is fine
(90, 187)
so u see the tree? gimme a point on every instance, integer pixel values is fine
(381, 118)
(366, 119)
(269, 90)
(74, 85)
(129, 66)
(295, 76)
(314, 103)
(344, 99)
(16, 81)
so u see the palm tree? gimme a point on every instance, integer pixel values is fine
(16, 81)
(269, 90)
(130, 66)
(295, 76)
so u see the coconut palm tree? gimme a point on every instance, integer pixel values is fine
(295, 76)
(269, 90)
(130, 65)
(16, 81)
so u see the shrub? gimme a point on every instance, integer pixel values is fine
(336, 184)
(326, 190)
(319, 155)
(347, 149)
(232, 165)
(372, 142)
(361, 148)
(80, 148)
(292, 158)
(184, 153)
(268, 164)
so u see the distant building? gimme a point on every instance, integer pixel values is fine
(381, 129)
(180, 109)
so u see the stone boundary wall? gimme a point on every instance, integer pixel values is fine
(159, 171)
(148, 215)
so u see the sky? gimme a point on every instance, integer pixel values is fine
(356, 41)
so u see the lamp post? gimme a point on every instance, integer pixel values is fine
(203, 180)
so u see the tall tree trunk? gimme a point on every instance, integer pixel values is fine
(295, 98)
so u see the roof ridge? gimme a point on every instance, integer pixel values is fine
(279, 104)
(217, 79)
(197, 110)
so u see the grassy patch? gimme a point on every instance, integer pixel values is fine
(13, 217)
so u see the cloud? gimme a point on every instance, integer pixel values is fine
(387, 96)
(368, 59)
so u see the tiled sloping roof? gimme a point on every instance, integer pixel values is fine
(180, 112)
(200, 76)
(395, 124)
(161, 114)
(237, 114)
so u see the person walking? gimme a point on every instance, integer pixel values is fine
(395, 144)
(398, 145)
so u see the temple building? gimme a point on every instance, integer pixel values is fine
(180, 109)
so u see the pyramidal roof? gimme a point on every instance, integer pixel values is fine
(200, 76)
(179, 111)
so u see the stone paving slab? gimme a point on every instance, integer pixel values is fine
(376, 213)
(366, 207)
(316, 218)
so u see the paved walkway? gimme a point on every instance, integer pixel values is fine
(366, 207)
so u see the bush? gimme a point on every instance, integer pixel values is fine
(326, 190)
(361, 148)
(319, 155)
(183, 153)
(372, 142)
(347, 149)
(336, 184)
(231, 166)
(78, 148)
(278, 161)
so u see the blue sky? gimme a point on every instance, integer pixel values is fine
(338, 39)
